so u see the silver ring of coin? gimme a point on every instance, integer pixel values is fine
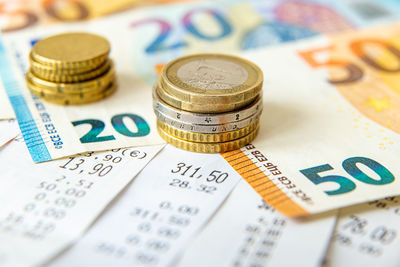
(201, 118)
(205, 128)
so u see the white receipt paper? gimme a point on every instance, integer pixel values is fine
(9, 130)
(248, 232)
(155, 218)
(367, 235)
(49, 205)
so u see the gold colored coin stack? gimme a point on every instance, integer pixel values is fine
(71, 69)
(208, 103)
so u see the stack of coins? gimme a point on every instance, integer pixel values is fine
(208, 103)
(71, 69)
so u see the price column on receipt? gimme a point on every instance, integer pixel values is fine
(156, 217)
(367, 235)
(258, 235)
(50, 205)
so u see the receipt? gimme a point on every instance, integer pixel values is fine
(168, 202)
(6, 111)
(50, 205)
(9, 130)
(367, 235)
(248, 232)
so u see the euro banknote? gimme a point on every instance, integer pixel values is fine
(151, 37)
(22, 14)
(329, 133)
(164, 33)
(51, 131)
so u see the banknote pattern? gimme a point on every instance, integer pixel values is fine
(333, 149)
(22, 14)
(51, 131)
(153, 37)
(166, 33)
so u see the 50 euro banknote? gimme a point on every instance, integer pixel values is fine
(17, 15)
(329, 133)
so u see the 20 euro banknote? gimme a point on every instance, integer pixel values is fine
(51, 131)
(142, 40)
(164, 33)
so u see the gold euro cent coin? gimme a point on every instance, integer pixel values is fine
(223, 82)
(72, 99)
(53, 70)
(45, 92)
(71, 50)
(71, 69)
(208, 147)
(94, 84)
(65, 77)
(206, 137)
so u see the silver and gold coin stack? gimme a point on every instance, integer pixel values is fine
(71, 69)
(208, 103)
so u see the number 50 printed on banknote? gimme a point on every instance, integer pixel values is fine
(329, 134)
